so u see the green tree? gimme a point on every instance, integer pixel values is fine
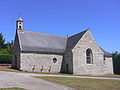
(2, 41)
(9, 47)
(5, 48)
(116, 62)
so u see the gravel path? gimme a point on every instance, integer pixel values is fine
(53, 75)
(24, 80)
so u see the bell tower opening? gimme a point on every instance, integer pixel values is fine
(19, 24)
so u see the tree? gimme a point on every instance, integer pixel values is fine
(2, 41)
(116, 62)
(5, 48)
(9, 47)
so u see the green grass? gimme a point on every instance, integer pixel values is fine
(107, 75)
(14, 88)
(7, 68)
(85, 84)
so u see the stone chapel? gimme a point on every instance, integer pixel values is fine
(76, 54)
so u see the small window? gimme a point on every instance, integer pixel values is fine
(19, 27)
(104, 61)
(89, 56)
(54, 60)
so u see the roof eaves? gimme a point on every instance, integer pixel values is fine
(106, 54)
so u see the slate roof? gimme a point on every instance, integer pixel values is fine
(72, 40)
(106, 54)
(34, 41)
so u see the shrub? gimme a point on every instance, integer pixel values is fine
(5, 58)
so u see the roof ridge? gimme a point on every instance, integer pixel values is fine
(42, 33)
(78, 33)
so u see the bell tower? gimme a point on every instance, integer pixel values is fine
(19, 24)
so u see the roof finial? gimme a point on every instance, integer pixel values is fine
(19, 16)
(20, 19)
(87, 28)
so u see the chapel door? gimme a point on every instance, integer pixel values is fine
(67, 68)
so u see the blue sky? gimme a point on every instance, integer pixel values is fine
(62, 17)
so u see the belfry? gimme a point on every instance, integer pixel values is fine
(19, 23)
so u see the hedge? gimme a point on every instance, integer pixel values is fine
(5, 58)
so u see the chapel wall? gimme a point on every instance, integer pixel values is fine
(80, 65)
(41, 62)
(108, 65)
(16, 53)
(67, 64)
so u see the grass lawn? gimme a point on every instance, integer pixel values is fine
(14, 88)
(7, 68)
(85, 84)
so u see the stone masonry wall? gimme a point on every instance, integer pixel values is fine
(41, 62)
(108, 65)
(69, 60)
(67, 65)
(80, 65)
(16, 53)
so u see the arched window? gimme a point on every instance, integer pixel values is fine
(89, 56)
(104, 61)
